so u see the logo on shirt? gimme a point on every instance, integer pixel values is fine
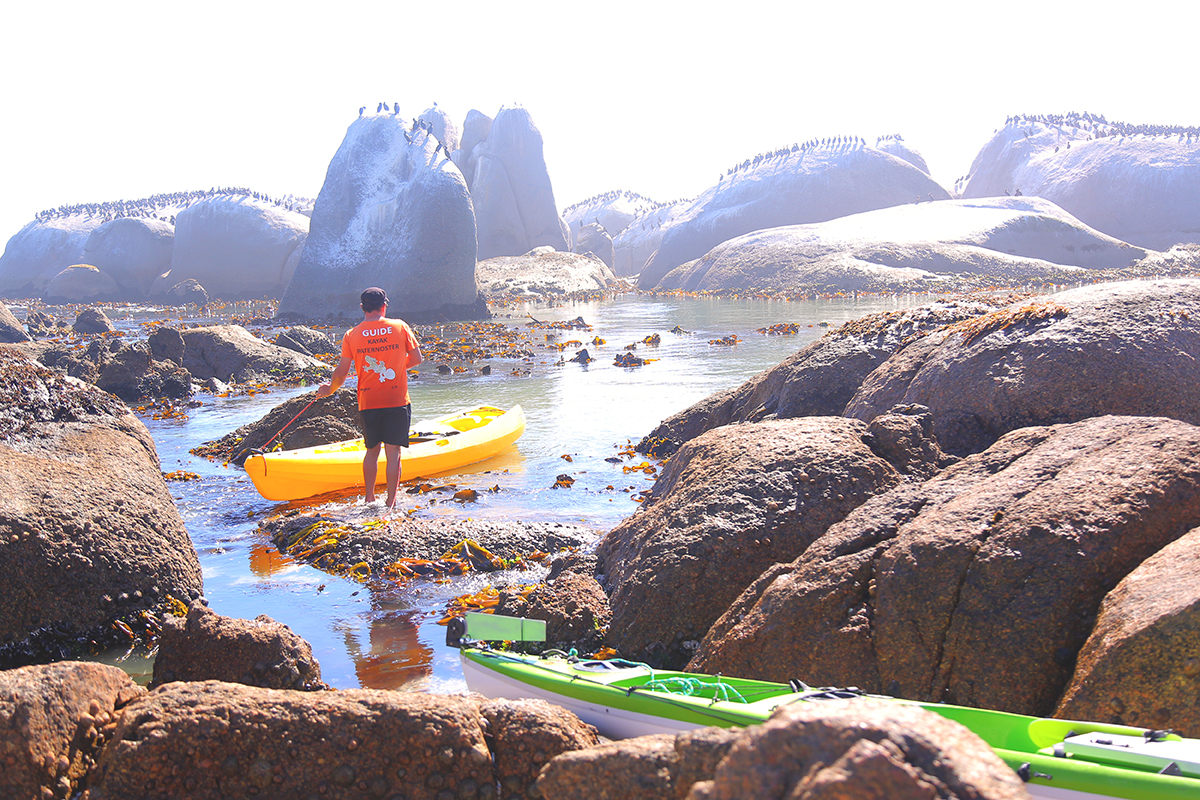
(377, 366)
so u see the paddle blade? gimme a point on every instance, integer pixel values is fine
(494, 627)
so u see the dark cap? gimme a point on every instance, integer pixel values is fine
(374, 299)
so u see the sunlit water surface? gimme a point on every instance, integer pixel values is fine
(387, 636)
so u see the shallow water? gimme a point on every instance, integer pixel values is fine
(386, 636)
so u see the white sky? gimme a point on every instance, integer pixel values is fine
(111, 100)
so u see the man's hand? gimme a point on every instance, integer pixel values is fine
(324, 390)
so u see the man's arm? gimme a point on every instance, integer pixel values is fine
(339, 377)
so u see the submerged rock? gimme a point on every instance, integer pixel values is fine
(392, 213)
(995, 566)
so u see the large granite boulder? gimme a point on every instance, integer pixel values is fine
(133, 250)
(511, 191)
(207, 646)
(729, 504)
(11, 329)
(41, 250)
(997, 241)
(88, 529)
(819, 380)
(542, 273)
(863, 749)
(613, 212)
(594, 239)
(634, 246)
(1118, 348)
(235, 246)
(53, 720)
(996, 566)
(219, 740)
(1141, 661)
(80, 283)
(444, 128)
(308, 341)
(476, 128)
(393, 212)
(1135, 182)
(798, 186)
(232, 354)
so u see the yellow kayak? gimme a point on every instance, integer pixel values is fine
(439, 445)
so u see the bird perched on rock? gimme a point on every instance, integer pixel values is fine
(379, 108)
(361, 110)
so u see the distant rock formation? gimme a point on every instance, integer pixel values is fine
(1018, 239)
(476, 128)
(1140, 184)
(444, 128)
(392, 213)
(236, 247)
(80, 283)
(634, 247)
(41, 250)
(895, 145)
(595, 240)
(510, 189)
(543, 272)
(789, 187)
(133, 250)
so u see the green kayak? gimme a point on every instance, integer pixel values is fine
(1058, 759)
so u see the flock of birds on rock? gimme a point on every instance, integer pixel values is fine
(160, 206)
(1101, 128)
(644, 204)
(833, 142)
(418, 124)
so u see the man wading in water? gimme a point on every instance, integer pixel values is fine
(382, 351)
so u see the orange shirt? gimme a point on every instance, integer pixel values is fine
(379, 349)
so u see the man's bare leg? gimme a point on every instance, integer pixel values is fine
(392, 453)
(370, 470)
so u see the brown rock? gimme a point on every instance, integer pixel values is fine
(232, 353)
(524, 735)
(1119, 348)
(994, 567)
(574, 607)
(308, 341)
(166, 344)
(699, 752)
(208, 646)
(329, 419)
(220, 740)
(631, 769)
(817, 381)
(92, 320)
(728, 505)
(861, 750)
(53, 720)
(88, 529)
(1140, 665)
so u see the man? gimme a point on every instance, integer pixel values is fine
(381, 351)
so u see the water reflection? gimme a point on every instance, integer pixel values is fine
(395, 657)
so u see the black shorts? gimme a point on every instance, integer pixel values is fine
(386, 425)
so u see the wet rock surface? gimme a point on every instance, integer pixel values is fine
(728, 505)
(130, 371)
(329, 419)
(88, 529)
(11, 330)
(232, 354)
(53, 721)
(259, 652)
(1141, 661)
(819, 380)
(1123, 348)
(573, 605)
(995, 566)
